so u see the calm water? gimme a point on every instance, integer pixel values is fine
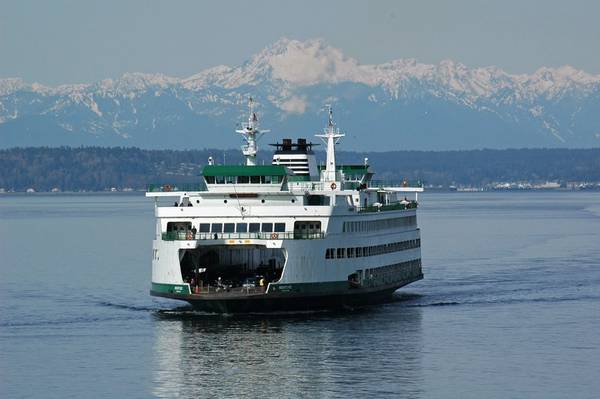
(510, 307)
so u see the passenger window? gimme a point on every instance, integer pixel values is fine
(243, 179)
(267, 227)
(228, 227)
(242, 228)
(255, 179)
(279, 227)
(220, 180)
(254, 227)
(204, 227)
(217, 228)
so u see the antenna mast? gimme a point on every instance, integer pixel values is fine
(251, 135)
(330, 136)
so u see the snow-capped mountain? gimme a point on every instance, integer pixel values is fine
(402, 104)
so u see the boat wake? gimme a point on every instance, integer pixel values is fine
(507, 301)
(127, 307)
(190, 313)
(65, 321)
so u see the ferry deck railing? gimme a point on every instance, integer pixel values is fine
(397, 206)
(293, 185)
(173, 187)
(288, 235)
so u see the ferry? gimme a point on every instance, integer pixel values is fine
(290, 236)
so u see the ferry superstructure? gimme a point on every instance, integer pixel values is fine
(292, 235)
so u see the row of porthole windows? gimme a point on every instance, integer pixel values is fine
(381, 224)
(243, 179)
(392, 269)
(392, 273)
(241, 227)
(359, 252)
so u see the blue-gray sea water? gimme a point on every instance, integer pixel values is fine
(509, 308)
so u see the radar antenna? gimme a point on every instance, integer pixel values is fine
(330, 136)
(251, 135)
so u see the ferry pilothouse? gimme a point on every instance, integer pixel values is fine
(293, 235)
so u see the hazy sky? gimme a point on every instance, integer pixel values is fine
(56, 42)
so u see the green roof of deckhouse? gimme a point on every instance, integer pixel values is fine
(244, 170)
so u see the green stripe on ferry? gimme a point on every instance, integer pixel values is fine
(171, 288)
(328, 287)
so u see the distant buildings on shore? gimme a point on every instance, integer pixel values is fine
(523, 185)
(32, 190)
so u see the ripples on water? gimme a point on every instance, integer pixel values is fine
(510, 307)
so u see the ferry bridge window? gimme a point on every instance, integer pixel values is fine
(255, 179)
(210, 179)
(243, 179)
(276, 179)
(267, 227)
(228, 227)
(229, 179)
(254, 227)
(220, 180)
(204, 228)
(265, 179)
(279, 227)
(242, 228)
(217, 228)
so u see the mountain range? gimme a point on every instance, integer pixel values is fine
(398, 105)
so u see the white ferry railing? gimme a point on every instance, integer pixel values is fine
(288, 235)
(175, 187)
(397, 206)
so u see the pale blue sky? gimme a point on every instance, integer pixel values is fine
(60, 41)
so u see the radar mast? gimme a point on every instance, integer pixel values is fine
(251, 135)
(330, 136)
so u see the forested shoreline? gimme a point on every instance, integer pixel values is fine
(101, 168)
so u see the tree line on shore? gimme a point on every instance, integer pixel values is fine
(102, 168)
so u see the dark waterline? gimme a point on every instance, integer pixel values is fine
(509, 307)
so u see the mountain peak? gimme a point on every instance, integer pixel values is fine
(305, 63)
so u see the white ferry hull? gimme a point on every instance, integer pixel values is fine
(308, 281)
